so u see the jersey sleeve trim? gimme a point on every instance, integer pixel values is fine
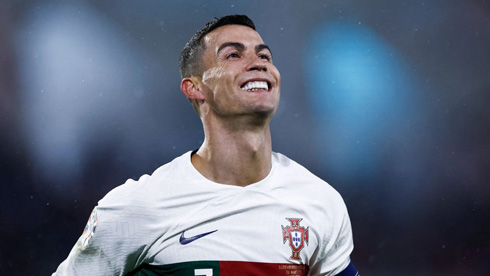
(350, 270)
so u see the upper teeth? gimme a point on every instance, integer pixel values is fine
(256, 85)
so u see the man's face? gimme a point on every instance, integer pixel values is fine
(239, 77)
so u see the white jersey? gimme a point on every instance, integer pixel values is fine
(177, 222)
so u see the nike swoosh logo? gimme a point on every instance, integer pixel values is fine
(183, 240)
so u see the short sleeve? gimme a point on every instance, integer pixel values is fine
(113, 241)
(335, 249)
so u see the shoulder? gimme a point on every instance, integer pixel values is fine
(301, 178)
(291, 168)
(308, 190)
(140, 192)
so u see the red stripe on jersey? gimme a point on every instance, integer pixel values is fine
(236, 268)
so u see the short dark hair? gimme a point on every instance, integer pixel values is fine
(191, 56)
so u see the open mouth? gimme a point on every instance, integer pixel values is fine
(256, 86)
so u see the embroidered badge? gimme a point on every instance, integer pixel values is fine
(89, 231)
(297, 236)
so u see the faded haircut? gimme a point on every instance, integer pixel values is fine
(191, 56)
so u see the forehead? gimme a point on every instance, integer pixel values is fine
(232, 33)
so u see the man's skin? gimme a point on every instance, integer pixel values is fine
(237, 146)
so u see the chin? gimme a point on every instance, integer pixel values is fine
(265, 112)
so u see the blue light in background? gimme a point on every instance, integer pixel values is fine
(359, 93)
(84, 86)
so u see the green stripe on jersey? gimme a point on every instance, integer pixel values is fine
(198, 268)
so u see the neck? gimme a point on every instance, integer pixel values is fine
(234, 155)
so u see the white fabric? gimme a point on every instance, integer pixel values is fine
(141, 221)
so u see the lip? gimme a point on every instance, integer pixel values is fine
(269, 84)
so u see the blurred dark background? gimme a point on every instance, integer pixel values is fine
(388, 101)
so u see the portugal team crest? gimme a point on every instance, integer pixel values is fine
(297, 236)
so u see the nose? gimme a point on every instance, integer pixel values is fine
(257, 64)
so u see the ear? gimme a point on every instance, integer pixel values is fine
(191, 88)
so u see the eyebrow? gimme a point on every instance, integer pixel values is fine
(236, 45)
(241, 47)
(261, 47)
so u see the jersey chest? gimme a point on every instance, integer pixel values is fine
(247, 227)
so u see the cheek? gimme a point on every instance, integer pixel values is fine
(217, 79)
(276, 74)
(212, 76)
(218, 82)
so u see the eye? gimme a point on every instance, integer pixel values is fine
(234, 55)
(264, 56)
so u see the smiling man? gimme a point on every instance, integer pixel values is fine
(232, 207)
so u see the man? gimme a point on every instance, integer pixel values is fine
(233, 207)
